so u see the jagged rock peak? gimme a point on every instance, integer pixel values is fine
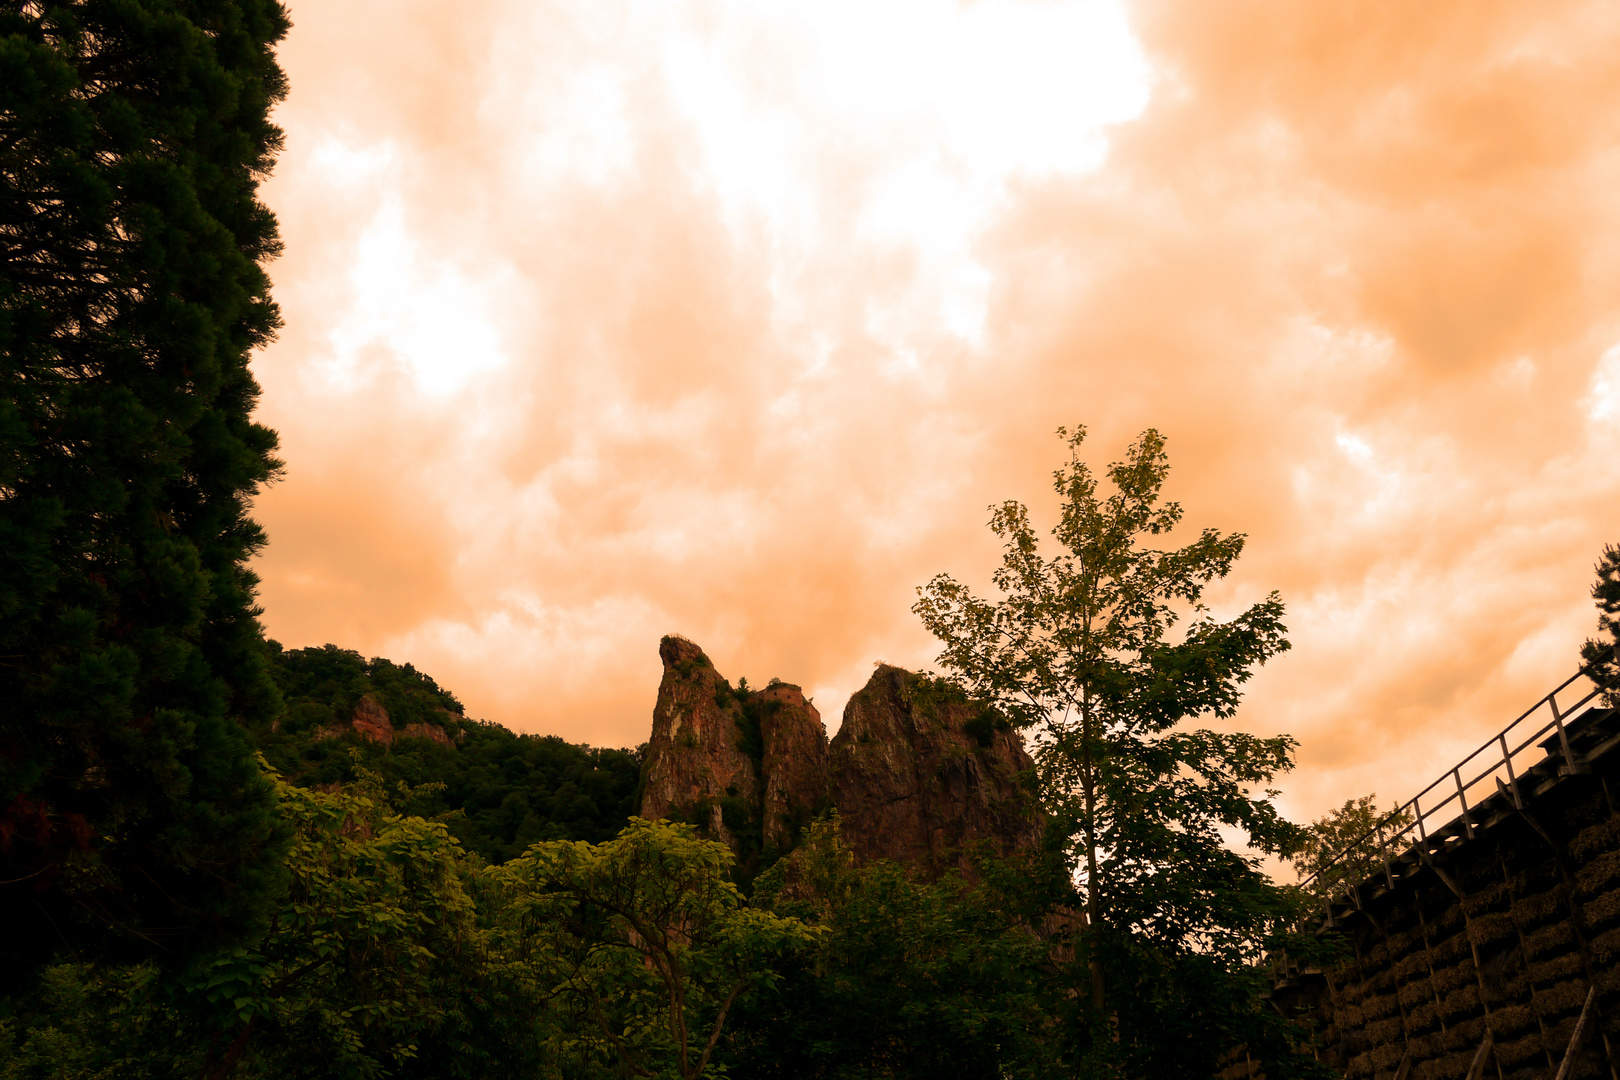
(920, 773)
(750, 767)
(794, 746)
(697, 767)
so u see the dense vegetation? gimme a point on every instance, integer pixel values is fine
(397, 953)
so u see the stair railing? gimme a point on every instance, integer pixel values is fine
(1496, 755)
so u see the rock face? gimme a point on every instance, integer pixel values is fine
(795, 763)
(699, 767)
(371, 721)
(919, 773)
(426, 731)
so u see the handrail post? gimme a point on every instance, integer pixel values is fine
(1423, 833)
(1563, 735)
(1462, 797)
(1383, 854)
(1513, 780)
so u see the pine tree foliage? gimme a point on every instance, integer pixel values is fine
(1599, 656)
(133, 135)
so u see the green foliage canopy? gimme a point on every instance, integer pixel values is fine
(367, 955)
(913, 979)
(643, 944)
(376, 962)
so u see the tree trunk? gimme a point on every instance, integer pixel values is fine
(1088, 782)
(233, 1054)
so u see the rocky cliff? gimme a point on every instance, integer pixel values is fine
(917, 772)
(702, 759)
(794, 742)
(371, 721)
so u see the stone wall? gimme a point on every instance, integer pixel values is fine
(1489, 940)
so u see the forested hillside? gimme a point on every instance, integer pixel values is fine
(496, 791)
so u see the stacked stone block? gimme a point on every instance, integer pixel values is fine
(1501, 934)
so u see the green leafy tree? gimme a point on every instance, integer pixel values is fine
(133, 134)
(1079, 649)
(1600, 656)
(1344, 845)
(643, 945)
(913, 979)
(376, 963)
(366, 956)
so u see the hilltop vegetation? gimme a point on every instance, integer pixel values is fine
(496, 791)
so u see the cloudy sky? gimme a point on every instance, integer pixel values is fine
(608, 320)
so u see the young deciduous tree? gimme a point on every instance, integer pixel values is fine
(133, 135)
(1079, 649)
(1343, 846)
(370, 954)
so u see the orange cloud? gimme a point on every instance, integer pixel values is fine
(605, 323)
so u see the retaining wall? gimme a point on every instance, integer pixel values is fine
(1499, 935)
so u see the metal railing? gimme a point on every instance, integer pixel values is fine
(1498, 755)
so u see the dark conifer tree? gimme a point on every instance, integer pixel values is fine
(133, 135)
(1599, 657)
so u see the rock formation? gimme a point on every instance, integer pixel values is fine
(917, 773)
(699, 766)
(371, 721)
(794, 742)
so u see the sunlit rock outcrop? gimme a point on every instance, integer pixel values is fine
(702, 759)
(920, 774)
(917, 773)
(371, 721)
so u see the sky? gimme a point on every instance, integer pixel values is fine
(730, 318)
